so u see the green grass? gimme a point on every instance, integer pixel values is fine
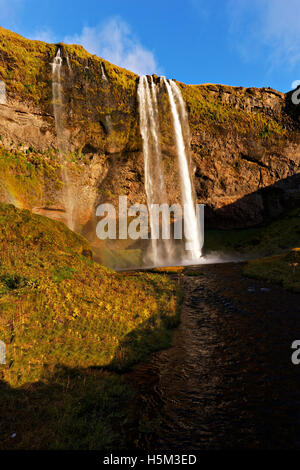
(68, 324)
(23, 175)
(25, 67)
(207, 110)
(274, 244)
(274, 237)
(283, 269)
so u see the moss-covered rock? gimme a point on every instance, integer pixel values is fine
(243, 139)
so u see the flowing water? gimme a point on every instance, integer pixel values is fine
(103, 74)
(154, 178)
(58, 110)
(182, 138)
(162, 251)
(228, 380)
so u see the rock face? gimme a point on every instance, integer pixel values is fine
(245, 141)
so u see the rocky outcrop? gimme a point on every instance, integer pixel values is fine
(243, 139)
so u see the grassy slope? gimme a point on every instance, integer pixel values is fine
(273, 241)
(25, 67)
(275, 237)
(283, 269)
(68, 323)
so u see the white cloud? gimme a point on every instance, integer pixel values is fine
(45, 35)
(115, 42)
(268, 26)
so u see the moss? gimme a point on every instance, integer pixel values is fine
(274, 237)
(170, 269)
(62, 315)
(119, 258)
(25, 66)
(22, 176)
(207, 110)
(283, 269)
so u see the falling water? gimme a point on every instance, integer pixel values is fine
(181, 129)
(68, 61)
(58, 110)
(2, 93)
(57, 98)
(103, 74)
(154, 179)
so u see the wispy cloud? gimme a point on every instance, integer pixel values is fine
(45, 34)
(115, 42)
(270, 27)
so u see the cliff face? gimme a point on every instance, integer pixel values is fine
(245, 142)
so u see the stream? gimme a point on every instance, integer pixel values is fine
(228, 381)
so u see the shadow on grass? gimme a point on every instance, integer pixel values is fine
(92, 408)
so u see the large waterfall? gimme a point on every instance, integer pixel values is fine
(182, 138)
(58, 110)
(154, 178)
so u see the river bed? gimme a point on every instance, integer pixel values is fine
(228, 381)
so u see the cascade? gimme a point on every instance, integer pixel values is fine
(58, 110)
(154, 179)
(182, 140)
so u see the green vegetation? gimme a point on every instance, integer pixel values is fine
(25, 67)
(275, 237)
(207, 109)
(283, 269)
(119, 259)
(170, 269)
(276, 241)
(22, 175)
(68, 324)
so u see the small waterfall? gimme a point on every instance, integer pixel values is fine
(103, 74)
(154, 179)
(68, 61)
(182, 138)
(57, 99)
(58, 110)
(2, 93)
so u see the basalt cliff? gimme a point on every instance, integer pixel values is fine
(245, 141)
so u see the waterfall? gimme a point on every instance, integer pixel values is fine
(57, 99)
(58, 110)
(154, 179)
(103, 74)
(182, 133)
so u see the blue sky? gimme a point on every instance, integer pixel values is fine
(234, 42)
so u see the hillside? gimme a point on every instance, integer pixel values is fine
(66, 322)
